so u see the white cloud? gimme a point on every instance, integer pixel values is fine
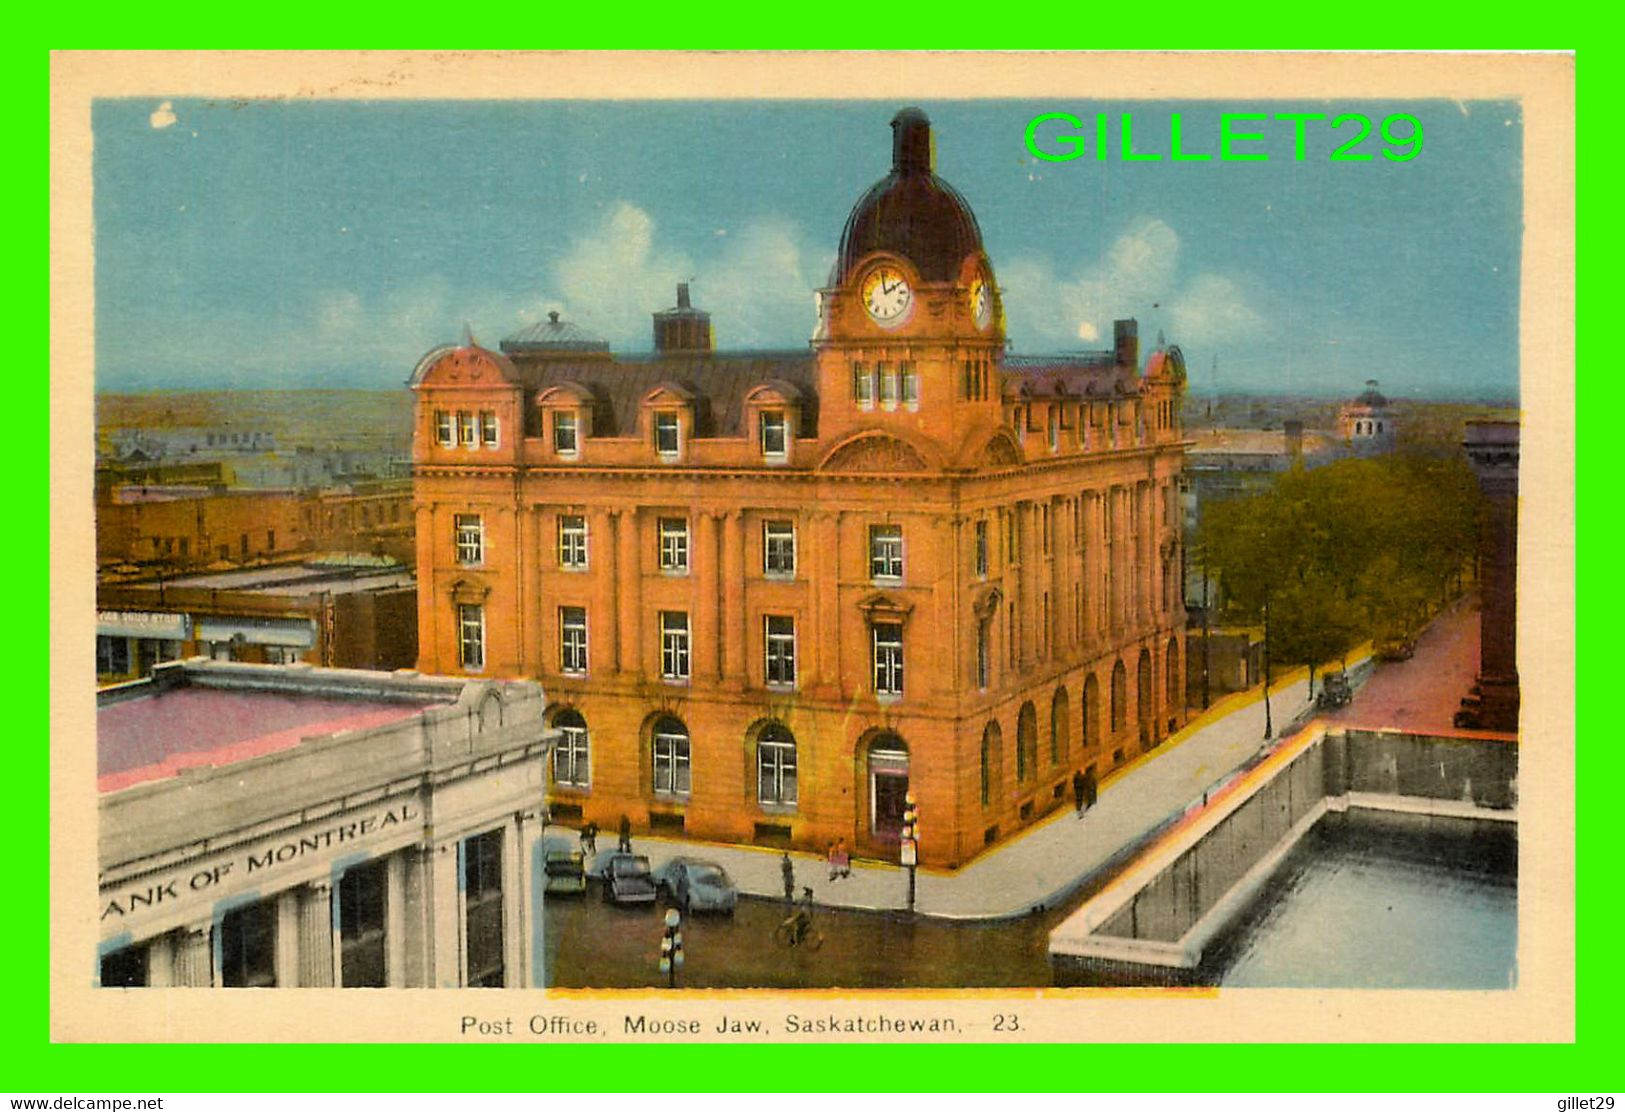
(1139, 275)
(614, 276)
(163, 116)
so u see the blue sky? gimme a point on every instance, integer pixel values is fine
(275, 244)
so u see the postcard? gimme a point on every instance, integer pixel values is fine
(780, 548)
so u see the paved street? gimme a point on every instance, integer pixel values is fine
(1042, 867)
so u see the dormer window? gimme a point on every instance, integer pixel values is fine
(467, 432)
(444, 434)
(773, 436)
(564, 433)
(488, 428)
(667, 442)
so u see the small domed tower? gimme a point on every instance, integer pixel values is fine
(911, 330)
(1366, 423)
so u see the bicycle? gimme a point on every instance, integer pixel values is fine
(797, 929)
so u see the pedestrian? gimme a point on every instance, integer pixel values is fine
(589, 839)
(834, 869)
(788, 868)
(1091, 789)
(843, 859)
(625, 844)
(1080, 788)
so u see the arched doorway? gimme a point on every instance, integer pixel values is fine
(992, 762)
(887, 760)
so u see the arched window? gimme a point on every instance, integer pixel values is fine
(992, 744)
(1143, 687)
(1119, 697)
(671, 757)
(571, 756)
(1026, 743)
(776, 766)
(1060, 726)
(1091, 711)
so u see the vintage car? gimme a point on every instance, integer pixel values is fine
(564, 871)
(696, 885)
(627, 879)
(1334, 691)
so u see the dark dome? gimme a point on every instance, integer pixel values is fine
(911, 212)
(1371, 397)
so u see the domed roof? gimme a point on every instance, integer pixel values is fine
(554, 334)
(911, 212)
(469, 363)
(1371, 397)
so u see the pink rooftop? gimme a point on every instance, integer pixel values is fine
(155, 736)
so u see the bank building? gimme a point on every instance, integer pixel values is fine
(282, 825)
(772, 594)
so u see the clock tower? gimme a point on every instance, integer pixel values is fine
(911, 329)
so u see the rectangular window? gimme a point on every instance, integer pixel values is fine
(564, 433)
(466, 432)
(671, 772)
(779, 548)
(674, 663)
(863, 386)
(125, 968)
(673, 544)
(776, 770)
(573, 640)
(1047, 524)
(1012, 538)
(112, 656)
(570, 765)
(781, 651)
(983, 664)
(888, 642)
(482, 902)
(666, 438)
(773, 435)
(981, 549)
(470, 536)
(471, 637)
(444, 434)
(488, 428)
(248, 946)
(886, 551)
(361, 926)
(572, 541)
(910, 380)
(1054, 429)
(888, 384)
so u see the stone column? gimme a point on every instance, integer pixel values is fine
(288, 942)
(418, 915)
(601, 561)
(733, 599)
(395, 964)
(515, 961)
(531, 902)
(1492, 449)
(316, 937)
(1030, 560)
(1059, 585)
(629, 599)
(194, 957)
(161, 961)
(610, 647)
(822, 556)
(446, 904)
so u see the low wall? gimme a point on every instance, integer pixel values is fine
(1155, 921)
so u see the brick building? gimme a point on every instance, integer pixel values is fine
(771, 594)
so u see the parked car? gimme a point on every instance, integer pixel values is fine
(1334, 691)
(1396, 648)
(696, 885)
(564, 871)
(627, 879)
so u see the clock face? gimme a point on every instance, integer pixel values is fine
(886, 294)
(981, 302)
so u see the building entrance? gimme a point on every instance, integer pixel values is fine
(888, 787)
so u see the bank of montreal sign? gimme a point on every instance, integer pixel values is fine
(268, 865)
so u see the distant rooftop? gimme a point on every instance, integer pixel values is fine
(334, 574)
(157, 733)
(1256, 442)
(554, 334)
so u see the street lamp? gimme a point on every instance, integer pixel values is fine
(671, 947)
(909, 849)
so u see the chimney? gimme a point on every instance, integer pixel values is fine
(684, 328)
(1294, 439)
(1126, 343)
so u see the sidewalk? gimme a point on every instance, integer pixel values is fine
(1041, 865)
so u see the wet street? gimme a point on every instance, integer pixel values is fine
(591, 944)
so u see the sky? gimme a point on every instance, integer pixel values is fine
(274, 244)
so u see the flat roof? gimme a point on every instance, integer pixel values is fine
(300, 579)
(156, 735)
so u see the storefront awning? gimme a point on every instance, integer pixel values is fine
(136, 623)
(295, 632)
